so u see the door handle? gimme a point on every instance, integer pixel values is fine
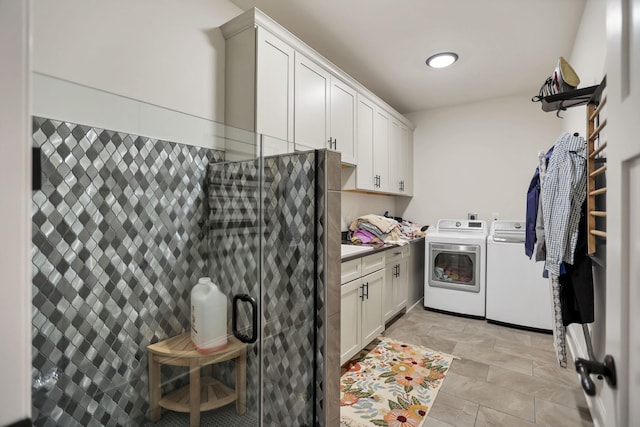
(587, 367)
(366, 285)
(254, 319)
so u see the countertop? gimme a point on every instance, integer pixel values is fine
(376, 249)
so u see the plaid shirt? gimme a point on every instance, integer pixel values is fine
(564, 191)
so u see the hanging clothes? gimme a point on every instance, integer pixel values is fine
(558, 233)
(576, 286)
(564, 191)
(559, 329)
(533, 217)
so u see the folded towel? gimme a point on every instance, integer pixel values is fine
(383, 223)
(361, 236)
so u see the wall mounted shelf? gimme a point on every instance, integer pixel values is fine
(564, 100)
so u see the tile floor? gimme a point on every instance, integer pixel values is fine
(501, 377)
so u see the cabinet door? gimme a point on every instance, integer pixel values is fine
(401, 285)
(381, 150)
(343, 120)
(311, 108)
(388, 303)
(406, 159)
(395, 157)
(350, 315)
(365, 178)
(400, 160)
(372, 318)
(274, 87)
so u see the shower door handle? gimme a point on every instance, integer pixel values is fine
(254, 318)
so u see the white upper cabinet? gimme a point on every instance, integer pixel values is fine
(382, 129)
(400, 166)
(259, 69)
(312, 97)
(365, 178)
(280, 88)
(406, 159)
(395, 166)
(274, 84)
(343, 120)
(383, 156)
(325, 110)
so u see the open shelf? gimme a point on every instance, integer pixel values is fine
(564, 100)
(574, 98)
(213, 394)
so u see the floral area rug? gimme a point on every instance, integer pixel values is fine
(394, 385)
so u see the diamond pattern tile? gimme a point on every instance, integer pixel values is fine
(121, 230)
(116, 249)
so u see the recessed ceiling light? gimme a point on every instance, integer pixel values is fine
(442, 59)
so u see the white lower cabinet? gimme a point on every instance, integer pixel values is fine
(361, 317)
(396, 284)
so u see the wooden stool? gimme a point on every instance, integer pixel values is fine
(202, 394)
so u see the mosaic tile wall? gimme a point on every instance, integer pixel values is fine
(118, 232)
(289, 272)
(116, 249)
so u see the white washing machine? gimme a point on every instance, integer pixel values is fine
(455, 267)
(517, 294)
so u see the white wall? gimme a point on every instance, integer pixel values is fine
(358, 204)
(477, 157)
(168, 53)
(15, 143)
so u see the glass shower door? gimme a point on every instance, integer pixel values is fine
(282, 231)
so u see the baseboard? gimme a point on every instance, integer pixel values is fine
(419, 302)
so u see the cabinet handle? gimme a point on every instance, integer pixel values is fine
(396, 270)
(362, 292)
(335, 143)
(367, 287)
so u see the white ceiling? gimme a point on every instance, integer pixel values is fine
(506, 47)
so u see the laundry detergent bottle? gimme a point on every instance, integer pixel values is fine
(208, 317)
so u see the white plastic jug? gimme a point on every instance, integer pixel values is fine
(208, 317)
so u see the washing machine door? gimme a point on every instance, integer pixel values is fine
(454, 266)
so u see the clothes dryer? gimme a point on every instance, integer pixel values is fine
(455, 263)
